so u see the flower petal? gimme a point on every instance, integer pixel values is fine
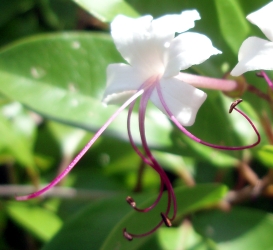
(254, 54)
(136, 43)
(143, 43)
(122, 82)
(165, 27)
(182, 99)
(263, 18)
(186, 50)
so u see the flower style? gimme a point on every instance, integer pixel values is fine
(256, 53)
(155, 57)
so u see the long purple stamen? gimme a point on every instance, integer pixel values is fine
(130, 200)
(154, 164)
(190, 135)
(83, 151)
(146, 160)
(142, 110)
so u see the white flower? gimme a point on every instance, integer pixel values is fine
(256, 53)
(154, 54)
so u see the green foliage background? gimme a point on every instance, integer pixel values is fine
(53, 58)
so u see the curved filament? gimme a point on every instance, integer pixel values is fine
(193, 137)
(82, 152)
(154, 164)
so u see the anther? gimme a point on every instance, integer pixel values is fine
(259, 74)
(166, 220)
(127, 235)
(131, 201)
(234, 104)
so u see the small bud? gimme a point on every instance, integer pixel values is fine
(234, 104)
(166, 220)
(127, 235)
(131, 201)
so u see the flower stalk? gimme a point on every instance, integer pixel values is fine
(208, 82)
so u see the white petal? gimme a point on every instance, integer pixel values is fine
(166, 26)
(181, 98)
(122, 82)
(143, 43)
(254, 54)
(263, 18)
(186, 50)
(136, 43)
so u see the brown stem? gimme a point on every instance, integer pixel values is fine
(258, 92)
(61, 192)
(248, 174)
(262, 187)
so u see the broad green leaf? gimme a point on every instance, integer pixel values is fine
(38, 221)
(89, 228)
(234, 26)
(106, 10)
(95, 227)
(62, 76)
(241, 228)
(188, 201)
(265, 155)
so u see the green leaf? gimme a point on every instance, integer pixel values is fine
(88, 228)
(106, 10)
(40, 222)
(232, 21)
(63, 76)
(241, 228)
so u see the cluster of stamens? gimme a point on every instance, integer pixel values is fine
(148, 158)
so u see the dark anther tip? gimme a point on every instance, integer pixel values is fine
(259, 74)
(166, 220)
(127, 235)
(131, 201)
(234, 104)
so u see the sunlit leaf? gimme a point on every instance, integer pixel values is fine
(241, 228)
(183, 237)
(234, 29)
(39, 221)
(16, 143)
